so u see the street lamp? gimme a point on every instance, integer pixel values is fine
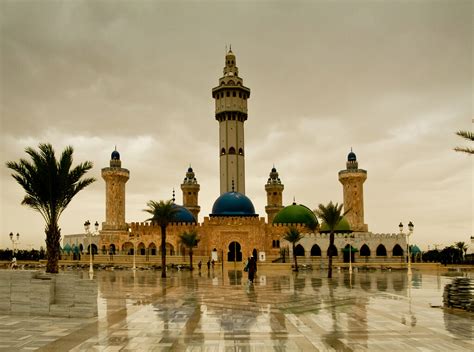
(14, 241)
(410, 232)
(91, 234)
(133, 238)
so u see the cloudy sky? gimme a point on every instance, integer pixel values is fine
(392, 79)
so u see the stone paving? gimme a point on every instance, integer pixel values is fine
(281, 311)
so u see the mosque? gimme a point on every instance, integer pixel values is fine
(233, 230)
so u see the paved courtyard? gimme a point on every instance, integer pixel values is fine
(282, 311)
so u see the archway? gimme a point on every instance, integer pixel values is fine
(235, 252)
(397, 251)
(127, 248)
(152, 249)
(332, 249)
(94, 249)
(141, 249)
(315, 251)
(345, 253)
(112, 249)
(381, 251)
(299, 251)
(365, 251)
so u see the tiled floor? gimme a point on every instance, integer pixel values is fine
(282, 311)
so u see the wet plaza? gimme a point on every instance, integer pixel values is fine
(281, 311)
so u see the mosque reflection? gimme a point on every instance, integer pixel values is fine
(187, 302)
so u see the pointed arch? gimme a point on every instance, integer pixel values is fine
(231, 150)
(152, 248)
(381, 251)
(315, 251)
(397, 250)
(332, 249)
(299, 251)
(223, 151)
(241, 151)
(364, 251)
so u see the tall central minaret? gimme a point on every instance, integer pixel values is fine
(231, 112)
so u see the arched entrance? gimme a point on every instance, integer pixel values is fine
(235, 252)
(345, 253)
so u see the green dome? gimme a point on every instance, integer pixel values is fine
(342, 227)
(296, 214)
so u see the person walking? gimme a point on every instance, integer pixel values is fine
(209, 265)
(251, 269)
(199, 265)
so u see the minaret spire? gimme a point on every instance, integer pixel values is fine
(231, 112)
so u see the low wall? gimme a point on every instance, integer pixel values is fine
(25, 292)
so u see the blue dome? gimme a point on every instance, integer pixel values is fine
(351, 156)
(183, 215)
(115, 155)
(233, 204)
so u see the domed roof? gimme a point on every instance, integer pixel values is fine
(342, 227)
(183, 215)
(351, 156)
(233, 204)
(115, 155)
(415, 249)
(190, 169)
(296, 214)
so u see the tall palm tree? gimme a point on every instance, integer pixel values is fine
(190, 239)
(162, 214)
(50, 185)
(331, 215)
(466, 135)
(293, 236)
(462, 246)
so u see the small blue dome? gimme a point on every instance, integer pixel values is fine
(115, 155)
(351, 156)
(233, 204)
(183, 215)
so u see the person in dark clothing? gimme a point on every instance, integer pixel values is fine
(252, 267)
(209, 264)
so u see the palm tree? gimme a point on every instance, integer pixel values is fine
(466, 135)
(331, 215)
(190, 239)
(293, 236)
(162, 214)
(50, 185)
(462, 246)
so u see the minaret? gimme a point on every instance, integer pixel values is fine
(115, 178)
(274, 189)
(231, 112)
(352, 180)
(190, 188)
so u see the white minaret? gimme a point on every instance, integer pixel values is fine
(231, 112)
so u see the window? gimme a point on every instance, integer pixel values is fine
(241, 151)
(231, 150)
(228, 94)
(240, 94)
(381, 251)
(222, 151)
(233, 94)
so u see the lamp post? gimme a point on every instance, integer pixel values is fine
(90, 234)
(134, 240)
(410, 232)
(14, 241)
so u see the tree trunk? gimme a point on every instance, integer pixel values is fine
(53, 243)
(294, 256)
(163, 251)
(331, 244)
(191, 258)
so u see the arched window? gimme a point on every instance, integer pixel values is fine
(299, 251)
(315, 251)
(333, 249)
(381, 251)
(273, 244)
(234, 94)
(241, 151)
(152, 249)
(231, 150)
(278, 243)
(397, 250)
(223, 151)
(365, 251)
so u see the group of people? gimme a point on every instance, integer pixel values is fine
(209, 264)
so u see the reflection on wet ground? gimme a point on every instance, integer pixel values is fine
(281, 311)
